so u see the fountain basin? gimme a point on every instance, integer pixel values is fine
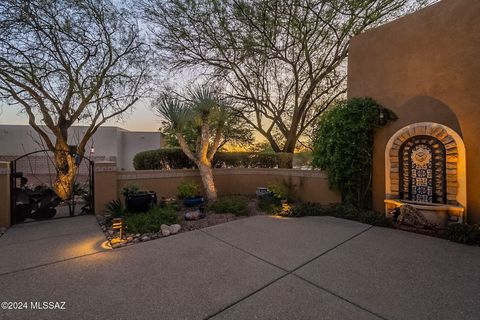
(439, 214)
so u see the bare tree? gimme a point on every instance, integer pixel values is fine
(66, 62)
(284, 61)
(207, 113)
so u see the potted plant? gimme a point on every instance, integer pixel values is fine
(189, 192)
(137, 200)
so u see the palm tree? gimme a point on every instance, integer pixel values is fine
(207, 112)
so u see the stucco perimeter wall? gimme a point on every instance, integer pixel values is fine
(311, 185)
(426, 68)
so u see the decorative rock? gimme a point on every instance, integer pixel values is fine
(164, 226)
(194, 215)
(145, 238)
(165, 232)
(130, 239)
(3, 229)
(174, 228)
(137, 235)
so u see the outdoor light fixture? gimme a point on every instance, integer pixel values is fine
(92, 150)
(382, 117)
(117, 224)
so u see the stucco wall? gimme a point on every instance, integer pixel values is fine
(135, 142)
(426, 68)
(311, 186)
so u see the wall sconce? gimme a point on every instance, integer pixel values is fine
(117, 224)
(382, 118)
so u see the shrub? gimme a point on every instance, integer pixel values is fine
(302, 159)
(238, 205)
(270, 205)
(130, 189)
(151, 220)
(341, 211)
(162, 159)
(308, 209)
(264, 160)
(343, 146)
(188, 189)
(278, 191)
(286, 189)
(174, 158)
(464, 233)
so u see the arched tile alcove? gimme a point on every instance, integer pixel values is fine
(425, 162)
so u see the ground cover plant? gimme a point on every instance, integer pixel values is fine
(343, 211)
(151, 220)
(238, 205)
(464, 233)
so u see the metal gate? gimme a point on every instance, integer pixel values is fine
(32, 191)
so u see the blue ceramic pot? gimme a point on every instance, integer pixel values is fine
(193, 201)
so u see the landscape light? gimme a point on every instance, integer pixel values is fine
(117, 224)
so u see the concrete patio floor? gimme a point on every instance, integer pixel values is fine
(255, 268)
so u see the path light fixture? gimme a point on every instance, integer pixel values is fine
(117, 224)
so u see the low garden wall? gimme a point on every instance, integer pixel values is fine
(310, 185)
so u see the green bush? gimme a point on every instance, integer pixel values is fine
(238, 205)
(270, 205)
(343, 147)
(162, 159)
(308, 209)
(284, 190)
(188, 189)
(174, 158)
(151, 220)
(130, 189)
(342, 211)
(464, 233)
(278, 191)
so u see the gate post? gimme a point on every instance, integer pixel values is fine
(105, 184)
(5, 194)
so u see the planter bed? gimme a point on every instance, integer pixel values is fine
(210, 219)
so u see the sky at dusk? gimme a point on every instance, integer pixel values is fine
(141, 118)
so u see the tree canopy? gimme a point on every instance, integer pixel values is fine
(283, 61)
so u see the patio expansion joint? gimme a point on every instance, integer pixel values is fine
(47, 237)
(53, 262)
(291, 272)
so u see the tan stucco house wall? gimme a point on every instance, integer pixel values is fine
(426, 68)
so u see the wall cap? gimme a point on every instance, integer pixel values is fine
(154, 174)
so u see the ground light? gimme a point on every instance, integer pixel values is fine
(117, 224)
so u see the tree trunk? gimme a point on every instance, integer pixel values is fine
(66, 170)
(207, 178)
(285, 160)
